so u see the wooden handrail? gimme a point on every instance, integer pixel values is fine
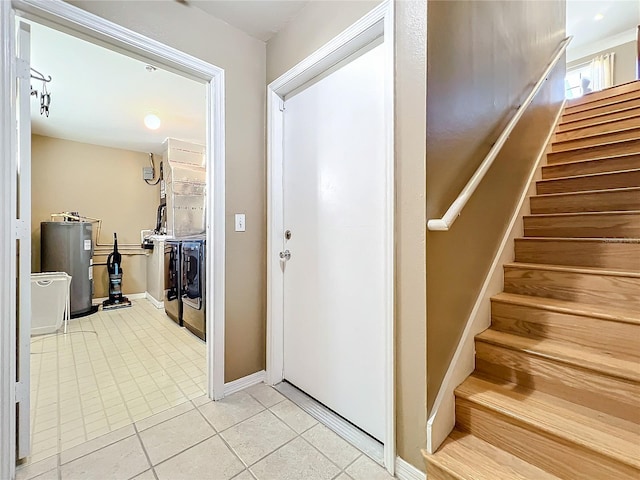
(444, 223)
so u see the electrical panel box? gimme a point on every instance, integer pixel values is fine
(147, 173)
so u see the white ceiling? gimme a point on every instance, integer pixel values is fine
(261, 19)
(101, 97)
(619, 16)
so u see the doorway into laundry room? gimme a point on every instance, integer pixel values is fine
(118, 295)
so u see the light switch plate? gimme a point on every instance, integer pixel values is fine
(240, 223)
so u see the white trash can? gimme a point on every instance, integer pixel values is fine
(50, 296)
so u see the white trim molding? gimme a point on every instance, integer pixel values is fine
(244, 382)
(8, 148)
(442, 418)
(65, 17)
(378, 22)
(156, 303)
(406, 471)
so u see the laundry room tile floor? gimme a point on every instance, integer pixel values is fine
(110, 370)
(253, 434)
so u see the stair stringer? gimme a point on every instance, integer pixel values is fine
(441, 419)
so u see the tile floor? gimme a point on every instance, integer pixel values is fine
(112, 369)
(253, 434)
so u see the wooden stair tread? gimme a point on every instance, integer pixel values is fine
(588, 176)
(620, 199)
(603, 144)
(574, 269)
(633, 133)
(600, 111)
(572, 308)
(605, 157)
(614, 147)
(593, 430)
(607, 363)
(624, 110)
(465, 456)
(595, 165)
(589, 240)
(584, 192)
(609, 224)
(584, 214)
(630, 113)
(602, 101)
(609, 93)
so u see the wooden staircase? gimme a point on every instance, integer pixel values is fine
(556, 389)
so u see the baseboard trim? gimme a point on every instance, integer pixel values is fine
(406, 471)
(244, 382)
(442, 418)
(156, 303)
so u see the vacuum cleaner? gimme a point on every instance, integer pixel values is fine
(114, 267)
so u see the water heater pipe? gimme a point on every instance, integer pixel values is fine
(81, 218)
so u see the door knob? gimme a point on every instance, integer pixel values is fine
(286, 255)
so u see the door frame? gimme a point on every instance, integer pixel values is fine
(70, 19)
(378, 22)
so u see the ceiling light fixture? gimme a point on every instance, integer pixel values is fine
(598, 17)
(152, 121)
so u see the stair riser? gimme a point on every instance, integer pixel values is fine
(601, 254)
(590, 332)
(602, 201)
(595, 114)
(435, 473)
(604, 181)
(603, 102)
(548, 452)
(599, 151)
(612, 395)
(584, 142)
(607, 225)
(577, 287)
(609, 127)
(609, 93)
(603, 165)
(627, 109)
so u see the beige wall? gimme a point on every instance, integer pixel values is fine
(315, 25)
(312, 27)
(98, 182)
(624, 68)
(483, 59)
(243, 58)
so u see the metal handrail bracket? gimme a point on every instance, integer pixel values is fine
(444, 224)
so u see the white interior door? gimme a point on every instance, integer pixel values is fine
(23, 237)
(334, 208)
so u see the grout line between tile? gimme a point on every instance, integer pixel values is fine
(258, 400)
(354, 461)
(224, 440)
(237, 423)
(178, 453)
(137, 433)
(273, 451)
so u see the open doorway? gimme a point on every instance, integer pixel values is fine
(100, 167)
(17, 193)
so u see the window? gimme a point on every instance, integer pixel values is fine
(573, 80)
